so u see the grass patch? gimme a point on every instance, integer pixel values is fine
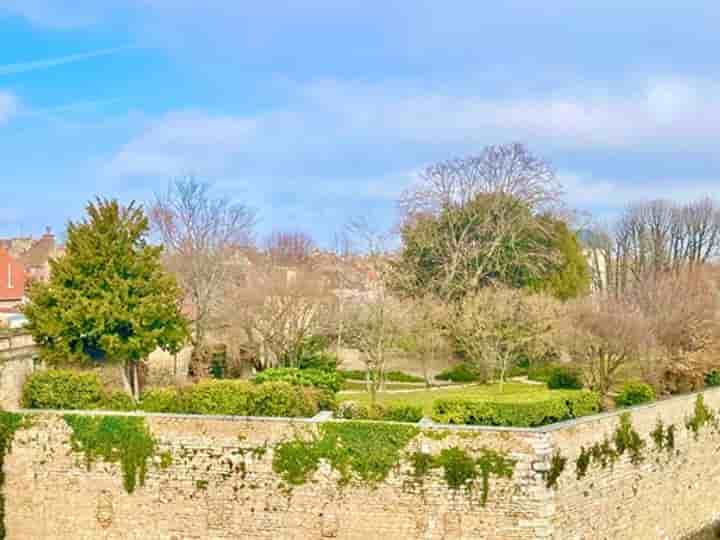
(512, 393)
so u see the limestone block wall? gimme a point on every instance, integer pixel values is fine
(16, 363)
(219, 483)
(669, 495)
(218, 487)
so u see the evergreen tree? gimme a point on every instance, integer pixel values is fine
(108, 298)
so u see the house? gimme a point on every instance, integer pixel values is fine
(36, 258)
(12, 280)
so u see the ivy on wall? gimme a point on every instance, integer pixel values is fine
(114, 439)
(367, 452)
(626, 440)
(362, 449)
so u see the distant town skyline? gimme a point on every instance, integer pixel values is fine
(314, 112)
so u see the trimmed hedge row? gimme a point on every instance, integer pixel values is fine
(67, 389)
(395, 412)
(237, 398)
(390, 376)
(75, 390)
(330, 381)
(531, 414)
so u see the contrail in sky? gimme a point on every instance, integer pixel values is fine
(24, 67)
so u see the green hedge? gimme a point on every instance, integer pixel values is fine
(390, 376)
(63, 389)
(563, 406)
(564, 378)
(396, 412)
(325, 380)
(635, 393)
(461, 373)
(236, 398)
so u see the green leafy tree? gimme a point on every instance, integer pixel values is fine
(108, 298)
(570, 276)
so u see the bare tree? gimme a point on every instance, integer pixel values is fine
(653, 238)
(372, 320)
(200, 232)
(271, 310)
(476, 218)
(424, 332)
(290, 247)
(492, 328)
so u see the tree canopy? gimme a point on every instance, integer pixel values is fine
(108, 297)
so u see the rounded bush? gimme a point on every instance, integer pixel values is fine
(461, 373)
(325, 380)
(635, 393)
(564, 378)
(712, 378)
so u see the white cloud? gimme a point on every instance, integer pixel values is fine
(332, 124)
(8, 106)
(663, 112)
(183, 141)
(587, 192)
(23, 67)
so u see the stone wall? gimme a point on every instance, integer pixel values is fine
(670, 495)
(218, 487)
(220, 484)
(16, 363)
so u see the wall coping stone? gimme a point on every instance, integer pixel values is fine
(425, 423)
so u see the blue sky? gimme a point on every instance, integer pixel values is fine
(317, 111)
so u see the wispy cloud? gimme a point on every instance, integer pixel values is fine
(8, 106)
(24, 67)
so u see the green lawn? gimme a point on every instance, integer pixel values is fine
(359, 386)
(512, 393)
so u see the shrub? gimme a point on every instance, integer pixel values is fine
(583, 403)
(216, 397)
(353, 374)
(282, 399)
(390, 376)
(564, 378)
(324, 380)
(162, 400)
(635, 393)
(399, 376)
(712, 378)
(461, 373)
(62, 389)
(311, 353)
(117, 401)
(237, 398)
(396, 412)
(540, 372)
(530, 414)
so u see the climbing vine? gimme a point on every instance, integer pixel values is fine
(367, 452)
(628, 440)
(9, 424)
(702, 415)
(557, 466)
(663, 437)
(362, 450)
(115, 439)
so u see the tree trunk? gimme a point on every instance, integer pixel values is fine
(126, 378)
